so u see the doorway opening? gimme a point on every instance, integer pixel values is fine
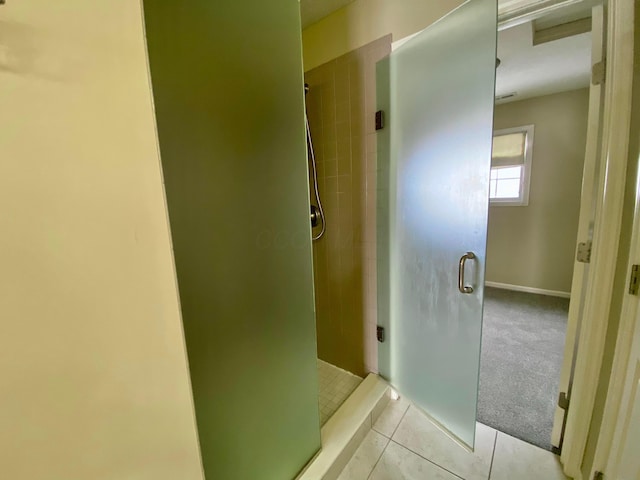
(340, 102)
(540, 130)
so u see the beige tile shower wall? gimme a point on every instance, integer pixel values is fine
(341, 109)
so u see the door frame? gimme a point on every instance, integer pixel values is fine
(608, 221)
(619, 406)
(606, 234)
(590, 178)
(619, 395)
(611, 437)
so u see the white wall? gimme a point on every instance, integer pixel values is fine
(534, 245)
(94, 380)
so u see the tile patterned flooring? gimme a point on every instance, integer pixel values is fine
(335, 386)
(405, 445)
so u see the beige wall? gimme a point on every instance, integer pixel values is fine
(341, 105)
(534, 245)
(94, 377)
(364, 21)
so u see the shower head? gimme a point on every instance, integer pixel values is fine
(306, 85)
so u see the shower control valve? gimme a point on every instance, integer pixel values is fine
(315, 216)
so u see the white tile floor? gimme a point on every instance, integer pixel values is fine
(335, 386)
(405, 445)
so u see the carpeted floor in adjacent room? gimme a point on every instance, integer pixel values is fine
(522, 348)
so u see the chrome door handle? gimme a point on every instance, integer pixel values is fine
(463, 260)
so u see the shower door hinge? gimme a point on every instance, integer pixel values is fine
(598, 72)
(380, 333)
(634, 281)
(563, 401)
(379, 120)
(584, 252)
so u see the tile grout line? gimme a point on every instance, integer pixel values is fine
(379, 458)
(493, 454)
(394, 431)
(425, 458)
(428, 460)
(388, 441)
(401, 419)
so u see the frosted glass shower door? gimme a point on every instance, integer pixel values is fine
(229, 100)
(437, 94)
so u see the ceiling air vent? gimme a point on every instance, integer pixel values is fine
(505, 96)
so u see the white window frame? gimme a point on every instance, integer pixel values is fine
(525, 179)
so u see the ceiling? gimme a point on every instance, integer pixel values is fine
(567, 13)
(550, 67)
(314, 10)
(527, 70)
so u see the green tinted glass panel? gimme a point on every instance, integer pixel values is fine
(434, 162)
(228, 91)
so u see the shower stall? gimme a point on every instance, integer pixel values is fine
(334, 384)
(340, 105)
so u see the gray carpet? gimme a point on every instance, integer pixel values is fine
(522, 349)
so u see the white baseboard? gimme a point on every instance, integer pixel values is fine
(519, 288)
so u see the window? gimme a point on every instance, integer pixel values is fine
(511, 166)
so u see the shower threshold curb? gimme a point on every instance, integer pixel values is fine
(345, 430)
